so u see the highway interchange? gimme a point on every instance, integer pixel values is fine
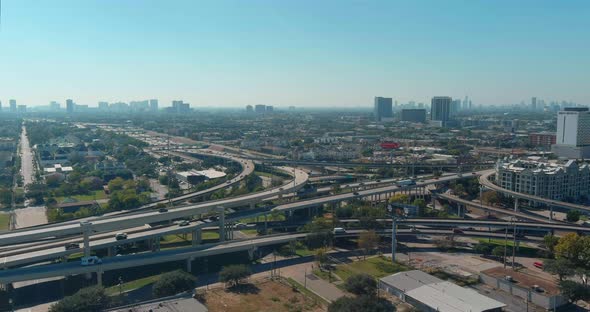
(17, 248)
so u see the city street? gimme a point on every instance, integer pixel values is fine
(30, 215)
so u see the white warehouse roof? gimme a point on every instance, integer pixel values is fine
(448, 297)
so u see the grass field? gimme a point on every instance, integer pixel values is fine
(4, 221)
(377, 267)
(177, 239)
(95, 195)
(522, 249)
(138, 283)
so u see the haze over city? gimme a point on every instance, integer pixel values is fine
(294, 156)
(302, 53)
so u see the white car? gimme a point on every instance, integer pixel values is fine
(92, 260)
(339, 230)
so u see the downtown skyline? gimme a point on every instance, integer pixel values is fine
(332, 54)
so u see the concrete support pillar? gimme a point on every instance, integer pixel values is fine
(111, 251)
(550, 212)
(265, 223)
(99, 278)
(515, 204)
(221, 212)
(196, 237)
(189, 264)
(156, 243)
(86, 232)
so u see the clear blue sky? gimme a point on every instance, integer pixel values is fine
(299, 52)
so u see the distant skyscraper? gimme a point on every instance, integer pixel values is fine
(383, 108)
(259, 108)
(180, 107)
(466, 103)
(573, 133)
(54, 106)
(22, 108)
(154, 105)
(269, 108)
(103, 106)
(440, 109)
(0, 106)
(249, 109)
(12, 104)
(534, 103)
(455, 107)
(414, 115)
(69, 106)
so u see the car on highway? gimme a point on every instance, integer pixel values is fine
(457, 231)
(214, 218)
(228, 182)
(92, 260)
(355, 193)
(184, 223)
(339, 230)
(162, 210)
(121, 236)
(538, 265)
(70, 246)
(240, 226)
(474, 173)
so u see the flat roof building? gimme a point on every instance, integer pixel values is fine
(429, 293)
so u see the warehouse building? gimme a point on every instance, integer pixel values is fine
(429, 293)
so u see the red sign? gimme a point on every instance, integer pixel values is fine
(389, 145)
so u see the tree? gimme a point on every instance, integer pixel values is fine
(483, 248)
(361, 304)
(319, 239)
(368, 241)
(573, 215)
(550, 241)
(399, 198)
(560, 267)
(234, 274)
(172, 283)
(421, 204)
(361, 284)
(498, 251)
(321, 256)
(574, 291)
(91, 299)
(569, 247)
(490, 197)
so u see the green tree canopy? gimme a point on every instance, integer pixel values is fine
(172, 283)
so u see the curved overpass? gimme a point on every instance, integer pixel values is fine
(484, 180)
(119, 222)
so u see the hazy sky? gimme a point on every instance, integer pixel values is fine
(299, 52)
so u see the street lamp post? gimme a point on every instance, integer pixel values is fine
(513, 222)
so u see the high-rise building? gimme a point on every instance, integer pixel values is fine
(542, 138)
(466, 103)
(440, 110)
(414, 115)
(154, 105)
(269, 108)
(249, 109)
(22, 108)
(0, 106)
(534, 103)
(455, 106)
(383, 110)
(180, 107)
(260, 108)
(573, 133)
(12, 104)
(103, 106)
(69, 106)
(54, 106)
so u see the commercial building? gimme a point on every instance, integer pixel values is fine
(249, 109)
(566, 181)
(154, 105)
(429, 293)
(269, 108)
(103, 106)
(542, 139)
(573, 133)
(440, 110)
(69, 106)
(259, 108)
(538, 291)
(455, 106)
(383, 109)
(12, 104)
(54, 106)
(180, 107)
(196, 177)
(414, 115)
